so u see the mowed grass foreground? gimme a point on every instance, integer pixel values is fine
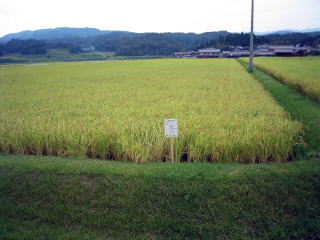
(301, 73)
(115, 110)
(66, 198)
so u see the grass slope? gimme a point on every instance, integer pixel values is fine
(59, 198)
(300, 107)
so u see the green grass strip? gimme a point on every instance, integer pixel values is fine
(202, 171)
(68, 198)
(300, 107)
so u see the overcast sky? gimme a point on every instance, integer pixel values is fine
(158, 15)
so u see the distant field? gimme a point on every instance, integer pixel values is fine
(56, 55)
(63, 55)
(302, 74)
(115, 110)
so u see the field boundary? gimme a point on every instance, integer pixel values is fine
(286, 80)
(68, 198)
(299, 106)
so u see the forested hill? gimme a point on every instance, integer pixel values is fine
(124, 43)
(55, 33)
(134, 44)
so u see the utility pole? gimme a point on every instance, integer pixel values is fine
(251, 38)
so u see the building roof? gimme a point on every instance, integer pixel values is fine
(239, 53)
(209, 50)
(264, 53)
(186, 53)
(283, 50)
(281, 47)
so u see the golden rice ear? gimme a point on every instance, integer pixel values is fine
(115, 111)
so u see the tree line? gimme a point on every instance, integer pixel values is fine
(32, 46)
(140, 44)
(232, 40)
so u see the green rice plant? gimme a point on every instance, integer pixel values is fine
(300, 73)
(116, 110)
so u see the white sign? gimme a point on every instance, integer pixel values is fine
(171, 127)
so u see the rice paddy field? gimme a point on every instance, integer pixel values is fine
(300, 73)
(116, 110)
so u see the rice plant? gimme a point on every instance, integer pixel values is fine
(116, 110)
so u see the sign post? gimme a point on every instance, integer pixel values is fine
(171, 131)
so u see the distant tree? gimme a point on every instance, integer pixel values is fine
(39, 50)
(25, 46)
(1, 50)
(57, 45)
(75, 49)
(315, 53)
(34, 47)
(242, 39)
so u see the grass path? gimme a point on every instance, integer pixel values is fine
(299, 73)
(68, 198)
(300, 107)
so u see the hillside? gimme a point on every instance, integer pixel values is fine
(55, 33)
(68, 32)
(286, 31)
(124, 43)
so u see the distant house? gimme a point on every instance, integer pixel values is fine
(261, 51)
(186, 54)
(302, 50)
(264, 53)
(242, 53)
(240, 48)
(209, 53)
(226, 53)
(281, 50)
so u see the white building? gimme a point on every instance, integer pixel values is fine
(209, 53)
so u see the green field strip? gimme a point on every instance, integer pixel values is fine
(300, 107)
(68, 198)
(192, 171)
